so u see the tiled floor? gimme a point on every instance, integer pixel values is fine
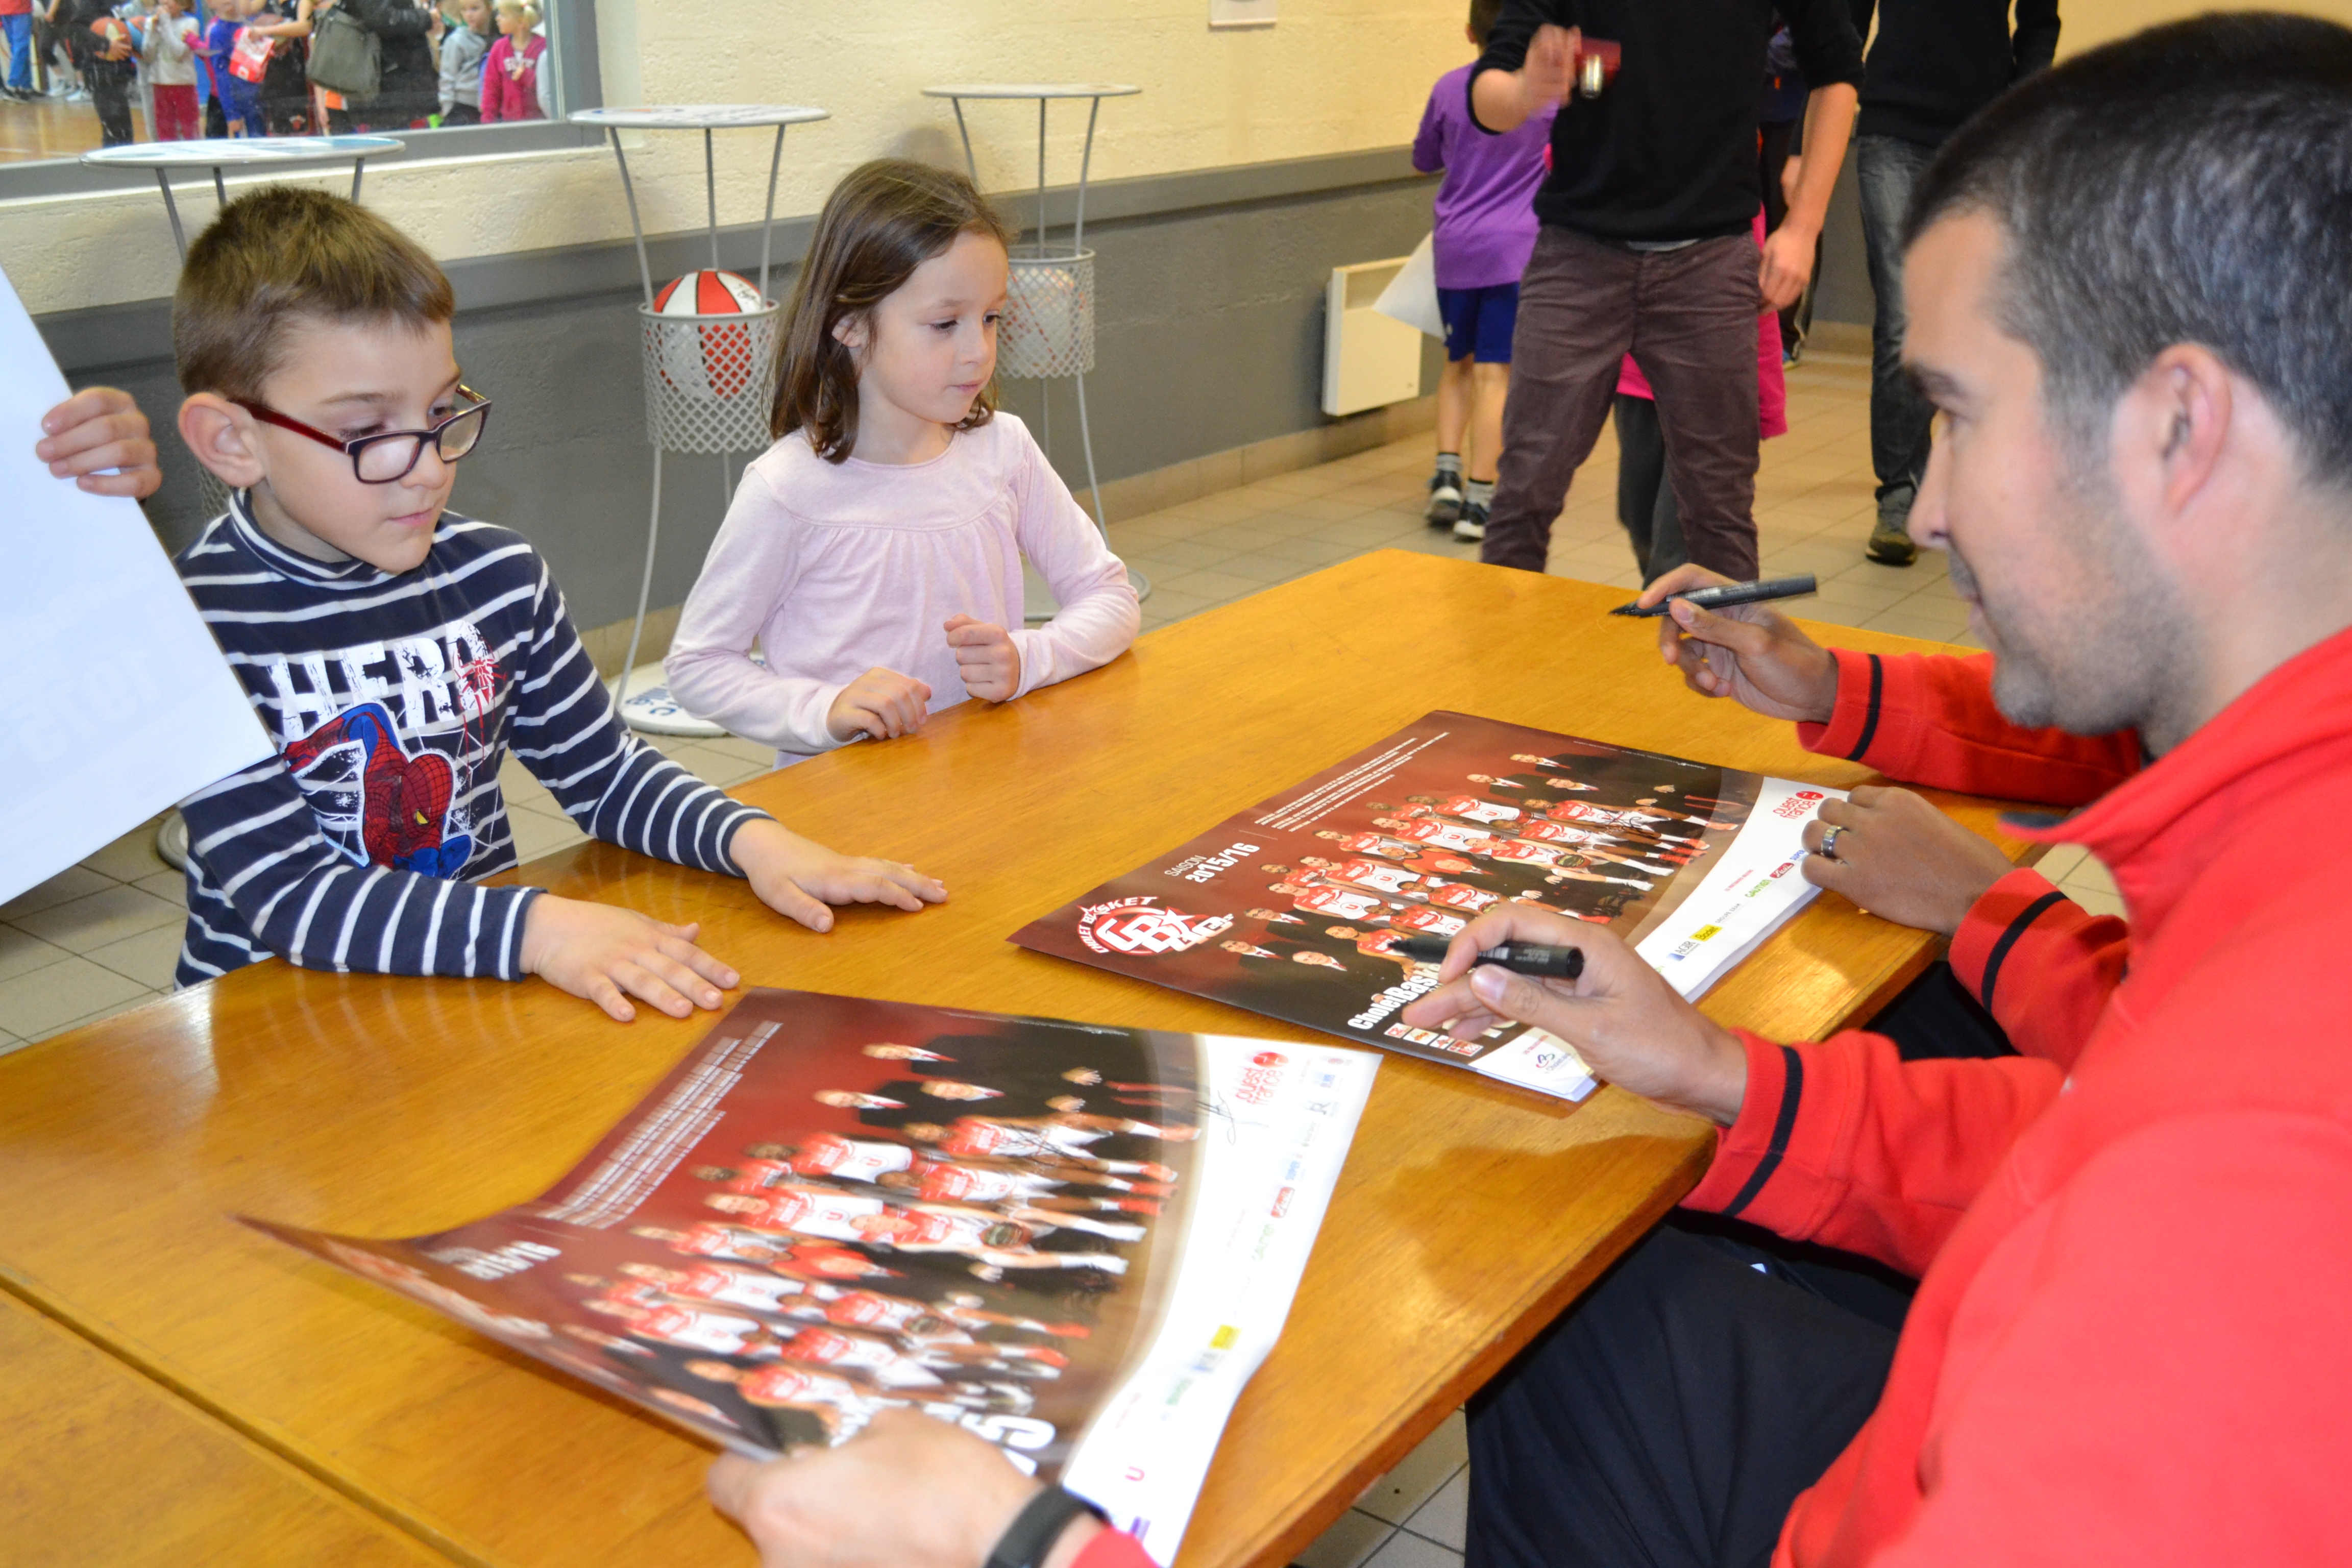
(103, 935)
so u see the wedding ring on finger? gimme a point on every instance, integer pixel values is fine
(1829, 842)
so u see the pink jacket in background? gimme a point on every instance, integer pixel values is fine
(505, 94)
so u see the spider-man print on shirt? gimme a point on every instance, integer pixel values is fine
(403, 802)
(388, 742)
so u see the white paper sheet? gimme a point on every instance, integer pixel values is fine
(1412, 295)
(114, 699)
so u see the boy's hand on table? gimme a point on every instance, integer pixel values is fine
(796, 878)
(1898, 857)
(1749, 651)
(97, 428)
(607, 956)
(849, 1507)
(882, 703)
(1624, 1019)
(986, 657)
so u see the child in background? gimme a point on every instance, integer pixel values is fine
(239, 100)
(873, 552)
(104, 50)
(463, 48)
(1485, 231)
(172, 71)
(510, 70)
(394, 651)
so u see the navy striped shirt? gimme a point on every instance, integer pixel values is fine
(393, 701)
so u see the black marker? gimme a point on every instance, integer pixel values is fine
(1728, 594)
(1518, 957)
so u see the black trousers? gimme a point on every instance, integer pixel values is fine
(1671, 1417)
(110, 94)
(1645, 502)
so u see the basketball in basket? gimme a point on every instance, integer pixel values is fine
(715, 360)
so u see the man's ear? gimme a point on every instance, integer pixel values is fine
(2174, 424)
(224, 439)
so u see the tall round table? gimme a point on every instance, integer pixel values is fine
(245, 154)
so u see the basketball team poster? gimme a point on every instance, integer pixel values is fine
(1294, 907)
(1078, 1242)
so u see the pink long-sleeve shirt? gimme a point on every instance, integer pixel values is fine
(835, 569)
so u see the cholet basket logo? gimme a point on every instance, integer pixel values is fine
(1138, 927)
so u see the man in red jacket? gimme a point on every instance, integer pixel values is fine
(2126, 283)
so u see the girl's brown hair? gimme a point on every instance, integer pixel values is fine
(883, 220)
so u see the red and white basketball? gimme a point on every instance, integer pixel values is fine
(716, 359)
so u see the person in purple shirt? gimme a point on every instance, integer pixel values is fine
(1485, 231)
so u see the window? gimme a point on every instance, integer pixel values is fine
(86, 73)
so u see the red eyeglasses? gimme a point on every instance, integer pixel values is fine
(392, 455)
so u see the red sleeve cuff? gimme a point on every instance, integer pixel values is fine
(1853, 722)
(1112, 1549)
(1993, 924)
(1746, 1151)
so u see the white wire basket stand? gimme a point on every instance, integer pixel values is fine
(1048, 332)
(710, 380)
(1049, 316)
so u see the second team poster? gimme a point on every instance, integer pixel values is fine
(1293, 907)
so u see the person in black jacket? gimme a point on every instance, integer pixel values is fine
(1644, 246)
(1934, 63)
(409, 89)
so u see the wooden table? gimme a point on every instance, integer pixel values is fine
(98, 1465)
(1468, 1216)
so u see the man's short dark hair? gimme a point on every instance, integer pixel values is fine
(2188, 184)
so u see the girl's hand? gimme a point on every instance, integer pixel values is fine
(796, 878)
(101, 428)
(882, 703)
(987, 657)
(607, 956)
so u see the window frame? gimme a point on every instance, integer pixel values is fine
(580, 82)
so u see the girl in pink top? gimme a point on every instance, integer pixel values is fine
(873, 552)
(510, 70)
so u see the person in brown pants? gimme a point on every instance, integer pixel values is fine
(1644, 246)
(1688, 317)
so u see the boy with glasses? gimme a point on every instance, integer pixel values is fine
(393, 651)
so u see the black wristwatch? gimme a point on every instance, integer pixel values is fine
(1038, 1525)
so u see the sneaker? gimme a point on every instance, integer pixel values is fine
(1890, 541)
(1472, 523)
(78, 95)
(1444, 499)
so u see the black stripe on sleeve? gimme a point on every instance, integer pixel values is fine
(2026, 917)
(1870, 716)
(1782, 1125)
